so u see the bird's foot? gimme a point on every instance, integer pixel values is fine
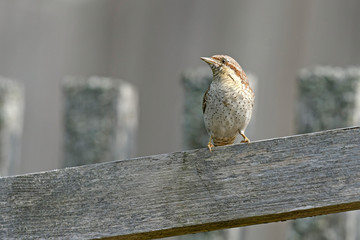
(210, 146)
(246, 140)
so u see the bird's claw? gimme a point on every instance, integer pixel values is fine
(210, 146)
(246, 140)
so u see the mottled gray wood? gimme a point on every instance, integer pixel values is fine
(11, 125)
(100, 120)
(187, 192)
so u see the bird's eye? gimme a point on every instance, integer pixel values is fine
(224, 60)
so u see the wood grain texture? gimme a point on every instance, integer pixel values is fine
(187, 192)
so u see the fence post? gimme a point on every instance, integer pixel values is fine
(195, 83)
(11, 124)
(100, 120)
(328, 98)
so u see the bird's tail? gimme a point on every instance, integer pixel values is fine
(223, 141)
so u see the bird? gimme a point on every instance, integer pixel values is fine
(228, 103)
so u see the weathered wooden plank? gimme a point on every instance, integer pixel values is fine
(187, 192)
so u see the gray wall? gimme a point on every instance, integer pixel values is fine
(149, 43)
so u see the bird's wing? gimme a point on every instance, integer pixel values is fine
(204, 100)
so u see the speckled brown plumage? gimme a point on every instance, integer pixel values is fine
(227, 104)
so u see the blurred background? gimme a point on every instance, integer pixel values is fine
(149, 44)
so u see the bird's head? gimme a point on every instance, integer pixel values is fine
(224, 66)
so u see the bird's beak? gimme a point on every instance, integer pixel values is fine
(210, 61)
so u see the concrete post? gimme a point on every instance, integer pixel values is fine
(100, 120)
(11, 125)
(328, 98)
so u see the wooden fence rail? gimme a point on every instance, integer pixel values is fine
(187, 192)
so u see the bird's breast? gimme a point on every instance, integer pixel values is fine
(228, 109)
